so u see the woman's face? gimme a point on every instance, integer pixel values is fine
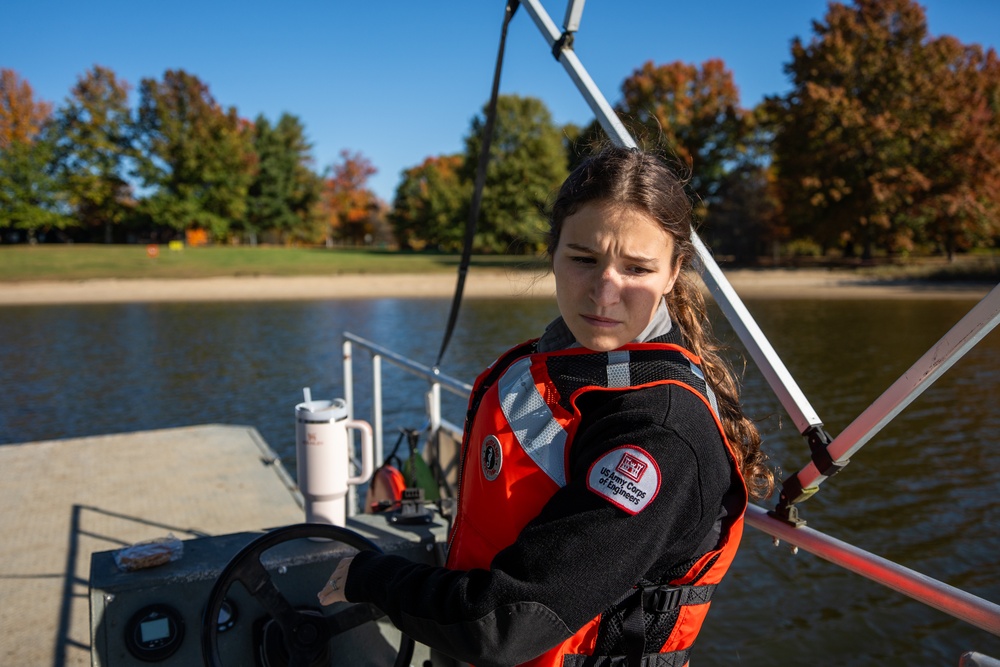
(611, 267)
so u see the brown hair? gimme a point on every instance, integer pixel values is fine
(639, 180)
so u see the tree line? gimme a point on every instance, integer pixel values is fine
(888, 143)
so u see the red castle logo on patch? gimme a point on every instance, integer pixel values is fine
(631, 467)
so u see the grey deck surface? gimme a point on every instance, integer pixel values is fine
(64, 499)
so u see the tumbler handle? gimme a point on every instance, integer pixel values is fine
(367, 450)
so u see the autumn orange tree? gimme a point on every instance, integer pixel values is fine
(353, 211)
(30, 197)
(430, 204)
(960, 205)
(21, 116)
(690, 112)
(872, 143)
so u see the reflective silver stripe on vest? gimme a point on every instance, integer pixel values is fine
(696, 369)
(619, 374)
(539, 434)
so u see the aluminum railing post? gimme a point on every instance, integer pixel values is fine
(377, 407)
(348, 378)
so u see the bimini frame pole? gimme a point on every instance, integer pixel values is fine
(962, 337)
(760, 350)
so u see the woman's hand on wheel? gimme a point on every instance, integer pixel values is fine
(334, 589)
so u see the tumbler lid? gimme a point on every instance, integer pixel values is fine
(322, 411)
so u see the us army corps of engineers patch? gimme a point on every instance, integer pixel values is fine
(627, 476)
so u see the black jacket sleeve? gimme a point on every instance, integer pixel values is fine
(581, 553)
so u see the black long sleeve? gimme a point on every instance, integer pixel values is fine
(581, 553)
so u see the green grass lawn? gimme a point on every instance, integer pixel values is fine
(83, 262)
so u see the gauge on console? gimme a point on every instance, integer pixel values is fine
(154, 633)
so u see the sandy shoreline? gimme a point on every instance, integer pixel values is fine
(749, 284)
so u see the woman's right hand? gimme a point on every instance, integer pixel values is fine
(334, 589)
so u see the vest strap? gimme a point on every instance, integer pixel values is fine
(671, 659)
(660, 599)
(657, 599)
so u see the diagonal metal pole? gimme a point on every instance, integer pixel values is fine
(757, 345)
(962, 337)
(964, 606)
(574, 10)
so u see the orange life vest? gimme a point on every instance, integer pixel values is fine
(519, 433)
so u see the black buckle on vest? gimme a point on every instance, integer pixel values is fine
(660, 599)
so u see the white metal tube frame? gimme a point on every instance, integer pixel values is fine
(348, 369)
(447, 382)
(436, 379)
(348, 360)
(377, 407)
(962, 337)
(964, 606)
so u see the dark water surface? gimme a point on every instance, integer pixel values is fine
(922, 492)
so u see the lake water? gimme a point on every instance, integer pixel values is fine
(922, 493)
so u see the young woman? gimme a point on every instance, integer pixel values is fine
(606, 465)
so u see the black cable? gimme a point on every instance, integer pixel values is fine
(477, 193)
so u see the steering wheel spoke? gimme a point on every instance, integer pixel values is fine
(352, 616)
(259, 584)
(306, 633)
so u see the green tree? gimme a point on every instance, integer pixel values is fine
(30, 197)
(527, 164)
(690, 112)
(284, 194)
(872, 141)
(94, 146)
(30, 194)
(429, 204)
(743, 223)
(745, 219)
(197, 157)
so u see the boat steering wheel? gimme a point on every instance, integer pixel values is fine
(306, 634)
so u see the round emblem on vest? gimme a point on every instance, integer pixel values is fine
(491, 457)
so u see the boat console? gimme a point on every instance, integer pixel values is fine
(254, 587)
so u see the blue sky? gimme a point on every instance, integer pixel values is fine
(399, 80)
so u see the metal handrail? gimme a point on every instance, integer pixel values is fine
(436, 379)
(453, 385)
(964, 606)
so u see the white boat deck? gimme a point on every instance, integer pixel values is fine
(65, 499)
